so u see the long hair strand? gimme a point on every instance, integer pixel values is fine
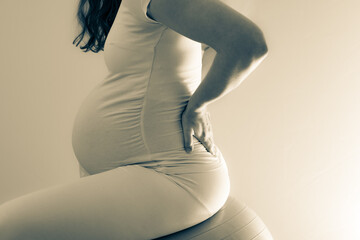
(95, 18)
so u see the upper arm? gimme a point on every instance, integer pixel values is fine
(211, 22)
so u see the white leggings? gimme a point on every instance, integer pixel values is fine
(130, 202)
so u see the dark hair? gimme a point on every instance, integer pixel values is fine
(96, 18)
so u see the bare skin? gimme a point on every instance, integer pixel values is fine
(239, 45)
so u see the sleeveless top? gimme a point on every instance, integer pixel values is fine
(133, 116)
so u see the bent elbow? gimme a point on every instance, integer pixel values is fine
(261, 50)
(247, 48)
(254, 49)
(258, 48)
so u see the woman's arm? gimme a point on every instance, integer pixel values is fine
(208, 55)
(239, 44)
(224, 75)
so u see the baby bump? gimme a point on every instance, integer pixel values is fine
(119, 125)
(106, 136)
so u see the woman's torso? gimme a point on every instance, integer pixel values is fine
(133, 116)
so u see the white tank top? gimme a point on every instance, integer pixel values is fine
(133, 116)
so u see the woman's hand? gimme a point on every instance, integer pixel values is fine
(197, 124)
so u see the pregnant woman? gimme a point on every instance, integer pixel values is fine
(143, 137)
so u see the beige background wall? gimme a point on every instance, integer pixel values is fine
(290, 132)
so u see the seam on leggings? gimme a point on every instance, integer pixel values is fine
(193, 196)
(145, 96)
(170, 178)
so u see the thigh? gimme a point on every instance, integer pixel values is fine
(130, 202)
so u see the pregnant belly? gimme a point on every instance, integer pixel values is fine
(108, 135)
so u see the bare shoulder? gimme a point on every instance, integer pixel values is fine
(211, 22)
